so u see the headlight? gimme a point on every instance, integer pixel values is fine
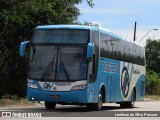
(31, 85)
(78, 87)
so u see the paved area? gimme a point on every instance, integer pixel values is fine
(142, 110)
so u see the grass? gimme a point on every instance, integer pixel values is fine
(152, 97)
(9, 101)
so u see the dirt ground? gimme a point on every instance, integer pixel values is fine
(19, 103)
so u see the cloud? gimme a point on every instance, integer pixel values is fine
(127, 33)
(102, 23)
(113, 11)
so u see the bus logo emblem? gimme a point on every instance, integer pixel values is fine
(47, 86)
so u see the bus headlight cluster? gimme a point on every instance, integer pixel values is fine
(31, 85)
(79, 87)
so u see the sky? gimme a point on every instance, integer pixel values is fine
(120, 15)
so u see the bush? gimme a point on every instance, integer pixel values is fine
(152, 82)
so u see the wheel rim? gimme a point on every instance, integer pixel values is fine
(100, 100)
(133, 103)
(133, 99)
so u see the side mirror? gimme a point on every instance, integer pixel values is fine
(23, 48)
(90, 50)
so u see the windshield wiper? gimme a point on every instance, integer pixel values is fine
(51, 64)
(61, 65)
(64, 68)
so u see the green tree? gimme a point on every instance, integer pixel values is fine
(18, 19)
(153, 55)
(153, 66)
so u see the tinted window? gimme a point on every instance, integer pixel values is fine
(113, 48)
(60, 36)
(59, 63)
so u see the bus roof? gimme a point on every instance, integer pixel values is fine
(83, 27)
(64, 27)
(80, 27)
(111, 33)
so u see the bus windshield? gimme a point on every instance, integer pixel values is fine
(59, 54)
(62, 63)
(61, 36)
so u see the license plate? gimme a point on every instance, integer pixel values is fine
(54, 96)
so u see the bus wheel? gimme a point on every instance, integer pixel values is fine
(98, 106)
(123, 105)
(133, 99)
(50, 105)
(129, 104)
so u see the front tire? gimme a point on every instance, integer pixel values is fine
(50, 105)
(98, 105)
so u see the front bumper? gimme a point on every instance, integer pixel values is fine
(77, 96)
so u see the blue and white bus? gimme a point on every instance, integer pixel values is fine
(84, 65)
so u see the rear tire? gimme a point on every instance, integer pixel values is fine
(123, 105)
(50, 105)
(133, 99)
(131, 103)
